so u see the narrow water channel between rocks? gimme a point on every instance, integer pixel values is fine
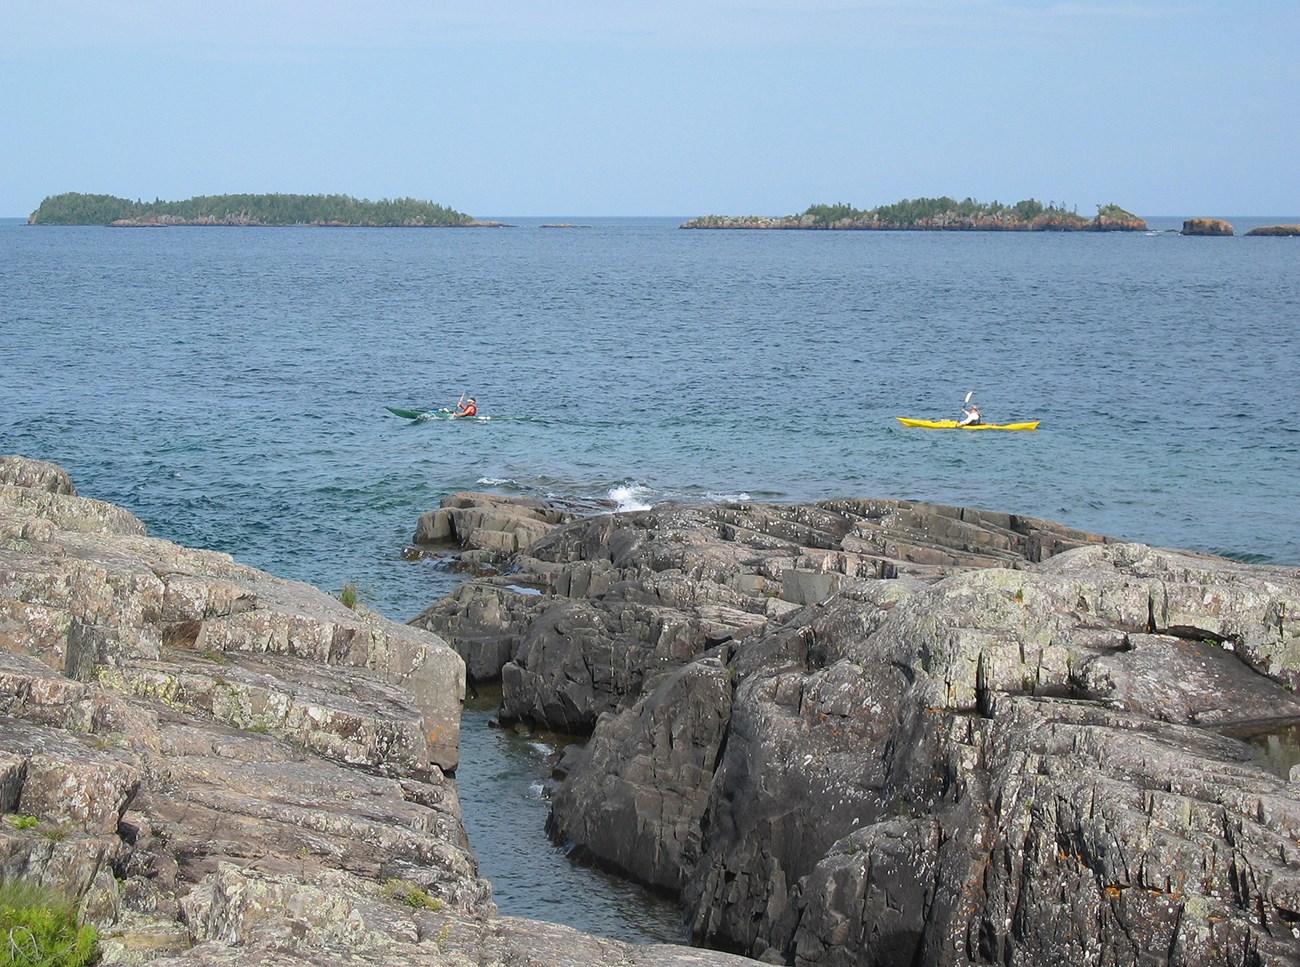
(502, 778)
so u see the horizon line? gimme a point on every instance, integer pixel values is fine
(688, 216)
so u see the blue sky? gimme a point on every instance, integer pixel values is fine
(657, 107)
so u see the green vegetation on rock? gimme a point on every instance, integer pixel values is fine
(73, 208)
(349, 595)
(942, 213)
(411, 895)
(1114, 211)
(38, 928)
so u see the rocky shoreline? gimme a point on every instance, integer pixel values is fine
(849, 732)
(882, 732)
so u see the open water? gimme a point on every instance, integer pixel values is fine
(228, 386)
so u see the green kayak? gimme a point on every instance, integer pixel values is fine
(416, 414)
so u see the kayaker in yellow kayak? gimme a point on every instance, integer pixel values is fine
(970, 415)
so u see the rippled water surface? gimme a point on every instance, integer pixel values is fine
(228, 385)
(503, 780)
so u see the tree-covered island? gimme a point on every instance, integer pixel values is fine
(939, 214)
(74, 208)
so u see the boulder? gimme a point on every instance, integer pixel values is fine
(166, 707)
(27, 474)
(487, 528)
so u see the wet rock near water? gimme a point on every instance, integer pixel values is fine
(883, 732)
(222, 767)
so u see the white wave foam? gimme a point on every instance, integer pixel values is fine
(739, 498)
(630, 496)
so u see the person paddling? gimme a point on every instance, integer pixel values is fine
(468, 408)
(970, 415)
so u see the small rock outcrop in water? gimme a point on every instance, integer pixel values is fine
(885, 733)
(1206, 226)
(225, 768)
(1277, 231)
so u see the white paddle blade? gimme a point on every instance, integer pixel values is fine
(968, 396)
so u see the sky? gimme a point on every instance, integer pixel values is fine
(657, 107)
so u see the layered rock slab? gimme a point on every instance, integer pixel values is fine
(225, 768)
(121, 656)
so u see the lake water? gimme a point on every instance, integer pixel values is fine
(228, 386)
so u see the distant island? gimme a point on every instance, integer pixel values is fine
(938, 214)
(74, 208)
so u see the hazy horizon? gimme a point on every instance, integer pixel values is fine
(627, 109)
(571, 216)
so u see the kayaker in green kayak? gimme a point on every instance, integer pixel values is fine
(468, 408)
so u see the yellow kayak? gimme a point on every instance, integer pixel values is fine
(952, 425)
